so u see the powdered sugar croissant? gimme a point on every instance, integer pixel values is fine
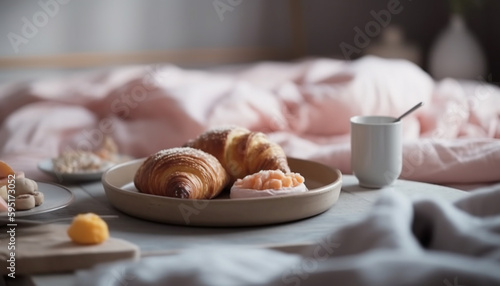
(242, 152)
(182, 173)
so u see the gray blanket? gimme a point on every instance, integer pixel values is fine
(400, 242)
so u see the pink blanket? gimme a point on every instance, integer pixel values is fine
(305, 106)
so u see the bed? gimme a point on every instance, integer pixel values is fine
(305, 106)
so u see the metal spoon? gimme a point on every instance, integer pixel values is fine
(409, 111)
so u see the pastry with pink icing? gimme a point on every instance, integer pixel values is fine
(268, 183)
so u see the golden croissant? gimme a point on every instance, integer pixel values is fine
(241, 152)
(181, 173)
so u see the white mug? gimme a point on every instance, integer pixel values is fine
(376, 150)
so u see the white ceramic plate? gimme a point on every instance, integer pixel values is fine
(56, 197)
(324, 185)
(48, 167)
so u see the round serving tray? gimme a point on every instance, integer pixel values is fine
(324, 184)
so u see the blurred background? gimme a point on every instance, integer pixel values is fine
(42, 38)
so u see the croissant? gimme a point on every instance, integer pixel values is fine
(181, 173)
(241, 152)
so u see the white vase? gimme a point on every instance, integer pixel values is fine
(456, 53)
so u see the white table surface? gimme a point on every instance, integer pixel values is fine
(151, 237)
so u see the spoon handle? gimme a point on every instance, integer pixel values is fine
(409, 111)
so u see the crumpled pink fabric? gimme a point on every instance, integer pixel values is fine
(305, 106)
